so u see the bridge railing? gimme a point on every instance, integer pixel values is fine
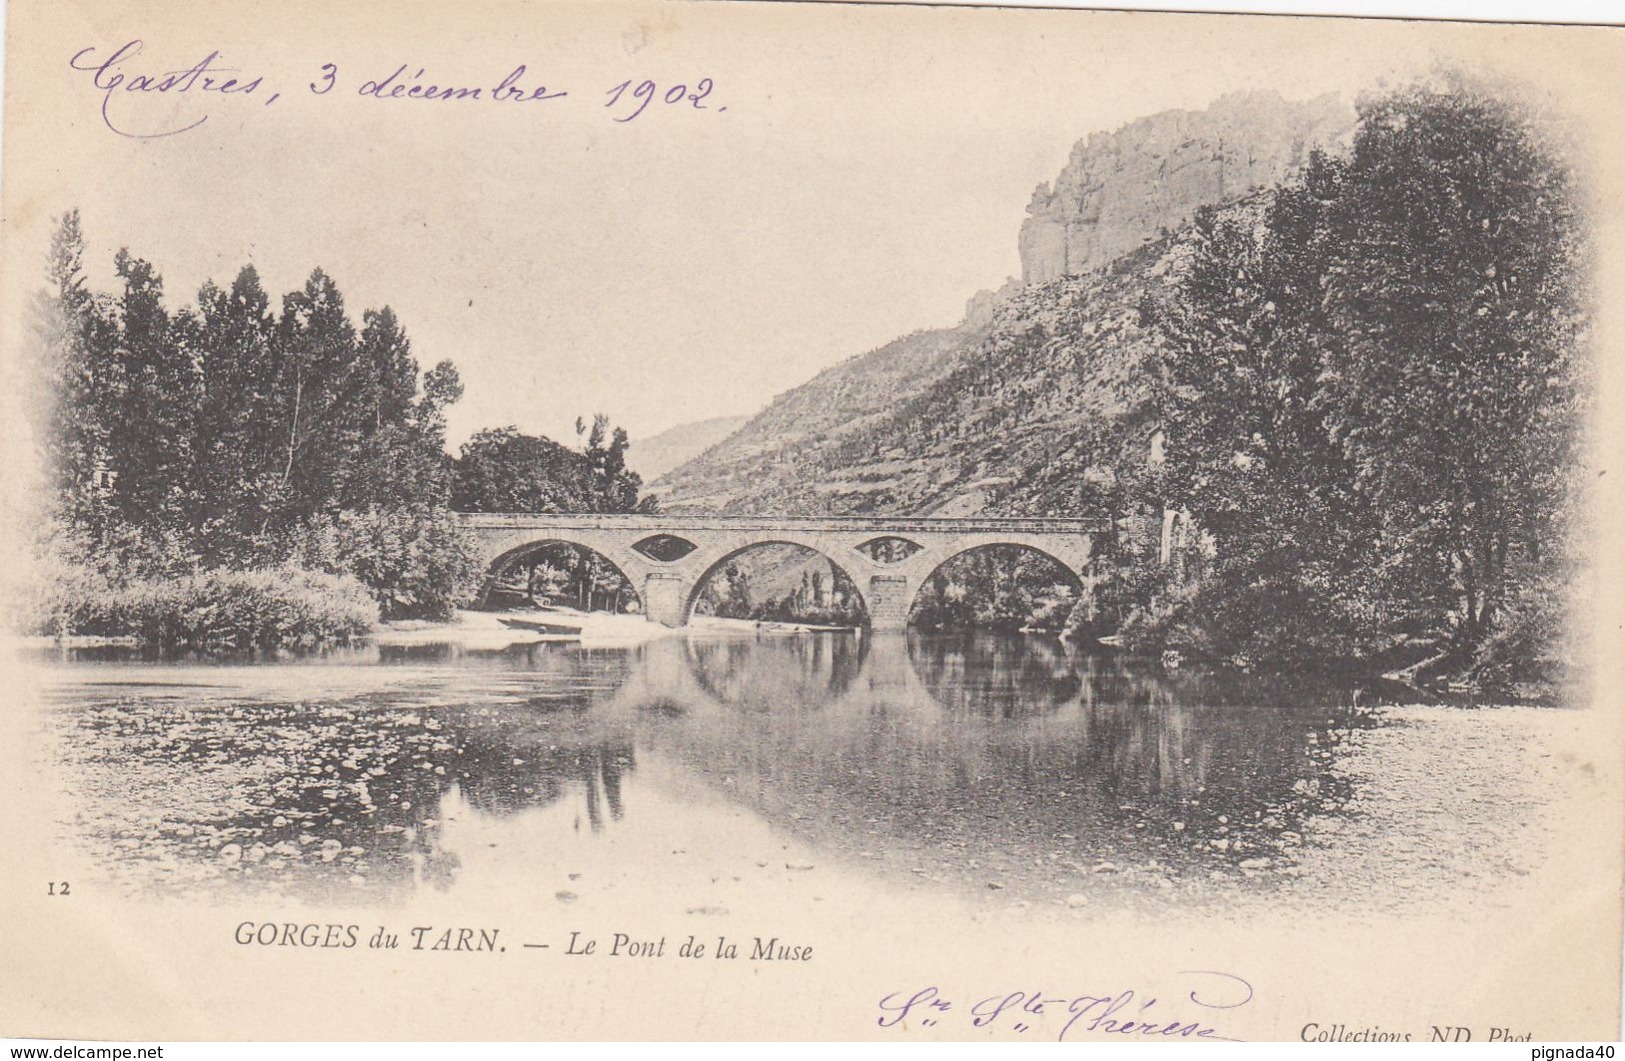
(676, 523)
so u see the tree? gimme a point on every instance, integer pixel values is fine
(389, 374)
(397, 446)
(614, 488)
(318, 379)
(1455, 371)
(1249, 453)
(76, 380)
(1373, 388)
(151, 414)
(502, 470)
(226, 437)
(234, 457)
(418, 563)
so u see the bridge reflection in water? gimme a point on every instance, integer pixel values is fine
(920, 747)
(911, 756)
(935, 738)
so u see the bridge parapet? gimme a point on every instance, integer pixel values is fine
(878, 525)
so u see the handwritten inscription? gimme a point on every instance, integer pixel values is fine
(131, 88)
(648, 91)
(1116, 1014)
(117, 78)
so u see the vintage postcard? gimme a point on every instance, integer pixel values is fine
(535, 520)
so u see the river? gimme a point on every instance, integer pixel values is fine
(1011, 771)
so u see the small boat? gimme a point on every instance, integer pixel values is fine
(534, 627)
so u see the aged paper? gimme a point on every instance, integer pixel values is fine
(639, 809)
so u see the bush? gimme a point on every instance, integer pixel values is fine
(1526, 641)
(418, 564)
(1166, 620)
(1117, 601)
(60, 598)
(212, 610)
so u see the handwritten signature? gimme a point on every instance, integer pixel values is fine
(117, 75)
(1118, 1014)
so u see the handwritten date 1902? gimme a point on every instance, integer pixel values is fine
(125, 80)
(647, 91)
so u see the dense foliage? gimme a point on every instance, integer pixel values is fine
(416, 562)
(227, 436)
(209, 611)
(502, 470)
(996, 587)
(1374, 394)
(782, 583)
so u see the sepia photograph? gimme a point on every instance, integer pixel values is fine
(809, 521)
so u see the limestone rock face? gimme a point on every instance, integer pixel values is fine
(980, 307)
(1119, 190)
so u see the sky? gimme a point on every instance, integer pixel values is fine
(855, 174)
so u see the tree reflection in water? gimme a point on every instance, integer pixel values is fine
(755, 674)
(939, 751)
(1020, 748)
(1003, 677)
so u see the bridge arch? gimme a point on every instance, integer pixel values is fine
(703, 579)
(936, 564)
(500, 565)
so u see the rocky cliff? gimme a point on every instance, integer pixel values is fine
(1121, 189)
(1035, 403)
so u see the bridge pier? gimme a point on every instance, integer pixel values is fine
(665, 595)
(889, 598)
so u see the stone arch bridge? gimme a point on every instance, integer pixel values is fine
(670, 587)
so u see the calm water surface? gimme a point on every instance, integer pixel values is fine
(1014, 766)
